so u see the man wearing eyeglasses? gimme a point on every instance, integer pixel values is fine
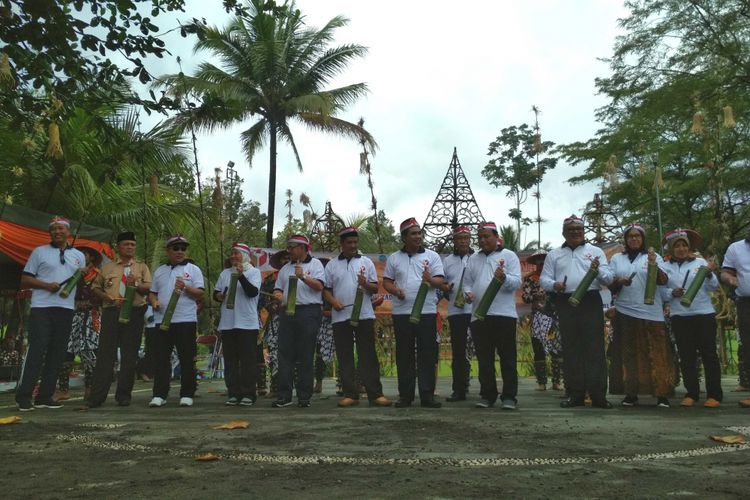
(298, 331)
(110, 286)
(48, 269)
(187, 279)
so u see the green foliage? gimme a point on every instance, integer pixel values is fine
(514, 163)
(273, 69)
(673, 73)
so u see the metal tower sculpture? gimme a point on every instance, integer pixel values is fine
(454, 205)
(601, 225)
(325, 232)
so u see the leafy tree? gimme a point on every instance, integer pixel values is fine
(513, 164)
(274, 69)
(677, 119)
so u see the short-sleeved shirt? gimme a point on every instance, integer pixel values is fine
(702, 302)
(738, 259)
(480, 272)
(454, 266)
(163, 285)
(405, 270)
(629, 299)
(313, 268)
(44, 264)
(110, 278)
(341, 277)
(245, 313)
(574, 263)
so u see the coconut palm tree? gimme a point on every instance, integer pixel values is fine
(273, 70)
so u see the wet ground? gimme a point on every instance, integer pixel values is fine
(457, 451)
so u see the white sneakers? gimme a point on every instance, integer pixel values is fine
(186, 401)
(156, 402)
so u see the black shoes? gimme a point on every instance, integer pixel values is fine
(430, 403)
(603, 404)
(48, 403)
(629, 401)
(303, 403)
(455, 397)
(571, 403)
(281, 403)
(402, 403)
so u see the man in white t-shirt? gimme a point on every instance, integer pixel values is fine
(48, 269)
(184, 277)
(405, 272)
(298, 332)
(735, 272)
(344, 276)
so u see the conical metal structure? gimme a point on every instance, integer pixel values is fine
(454, 205)
(325, 232)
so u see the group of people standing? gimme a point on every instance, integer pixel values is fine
(564, 292)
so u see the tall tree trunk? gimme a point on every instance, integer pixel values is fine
(271, 188)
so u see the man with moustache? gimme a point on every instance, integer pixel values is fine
(51, 318)
(405, 270)
(110, 287)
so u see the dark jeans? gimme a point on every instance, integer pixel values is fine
(240, 363)
(743, 325)
(460, 366)
(423, 336)
(697, 334)
(49, 331)
(496, 334)
(344, 335)
(149, 334)
(584, 362)
(114, 335)
(297, 336)
(182, 336)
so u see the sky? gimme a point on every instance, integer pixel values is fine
(441, 74)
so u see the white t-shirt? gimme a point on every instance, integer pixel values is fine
(406, 272)
(702, 302)
(454, 266)
(738, 258)
(341, 278)
(313, 268)
(44, 264)
(629, 299)
(480, 272)
(574, 263)
(163, 284)
(245, 313)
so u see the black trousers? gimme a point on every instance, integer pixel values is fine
(697, 334)
(345, 335)
(540, 361)
(743, 325)
(297, 337)
(240, 362)
(149, 334)
(423, 338)
(49, 331)
(460, 366)
(182, 336)
(496, 334)
(113, 336)
(584, 362)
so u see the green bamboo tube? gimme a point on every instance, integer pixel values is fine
(583, 286)
(357, 308)
(167, 320)
(71, 284)
(650, 292)
(127, 305)
(695, 285)
(291, 300)
(232, 295)
(489, 295)
(460, 300)
(416, 310)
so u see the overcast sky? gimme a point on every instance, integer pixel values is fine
(441, 74)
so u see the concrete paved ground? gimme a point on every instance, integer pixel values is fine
(458, 451)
